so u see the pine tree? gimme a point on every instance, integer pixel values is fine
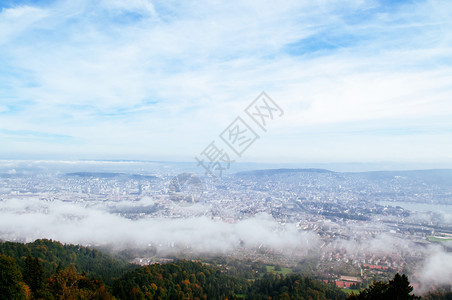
(398, 288)
(11, 285)
(34, 275)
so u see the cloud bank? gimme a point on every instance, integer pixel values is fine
(30, 219)
(27, 219)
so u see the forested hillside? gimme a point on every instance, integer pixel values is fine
(47, 269)
(53, 255)
(180, 280)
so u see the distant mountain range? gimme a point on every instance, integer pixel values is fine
(439, 173)
(113, 175)
(434, 176)
(269, 172)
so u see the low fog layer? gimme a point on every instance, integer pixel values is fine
(27, 219)
(30, 219)
(435, 271)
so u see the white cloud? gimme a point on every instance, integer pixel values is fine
(30, 219)
(436, 270)
(161, 74)
(13, 21)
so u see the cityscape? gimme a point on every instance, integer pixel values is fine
(351, 227)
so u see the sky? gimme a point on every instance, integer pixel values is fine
(357, 81)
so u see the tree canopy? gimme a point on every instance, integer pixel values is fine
(398, 288)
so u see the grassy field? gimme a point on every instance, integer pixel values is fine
(284, 271)
(438, 239)
(349, 291)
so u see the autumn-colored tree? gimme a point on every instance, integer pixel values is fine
(68, 284)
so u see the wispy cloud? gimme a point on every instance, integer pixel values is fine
(30, 134)
(162, 78)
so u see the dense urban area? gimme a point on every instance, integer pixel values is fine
(353, 227)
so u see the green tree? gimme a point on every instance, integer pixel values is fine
(11, 285)
(33, 275)
(398, 288)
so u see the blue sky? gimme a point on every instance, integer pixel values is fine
(359, 81)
